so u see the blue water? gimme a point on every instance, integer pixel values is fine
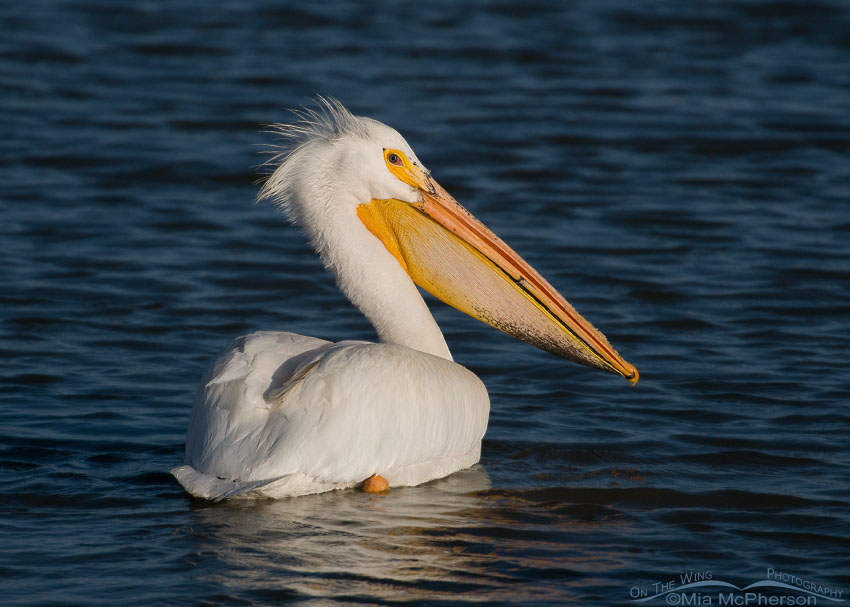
(680, 171)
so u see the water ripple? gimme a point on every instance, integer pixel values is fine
(678, 170)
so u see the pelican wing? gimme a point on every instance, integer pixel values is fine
(274, 423)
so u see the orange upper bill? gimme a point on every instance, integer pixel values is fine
(456, 258)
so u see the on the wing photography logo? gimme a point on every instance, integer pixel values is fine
(702, 588)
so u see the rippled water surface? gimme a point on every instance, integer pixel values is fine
(681, 171)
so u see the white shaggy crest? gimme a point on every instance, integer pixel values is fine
(327, 123)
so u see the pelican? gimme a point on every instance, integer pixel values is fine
(279, 414)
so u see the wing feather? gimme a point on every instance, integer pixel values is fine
(302, 415)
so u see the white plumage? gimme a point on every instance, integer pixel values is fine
(282, 414)
(279, 414)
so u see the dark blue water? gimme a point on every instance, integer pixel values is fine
(680, 171)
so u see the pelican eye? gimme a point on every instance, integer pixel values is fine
(394, 158)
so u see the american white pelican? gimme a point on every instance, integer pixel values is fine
(279, 414)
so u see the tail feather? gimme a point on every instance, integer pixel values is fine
(214, 488)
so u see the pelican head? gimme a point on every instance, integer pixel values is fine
(379, 220)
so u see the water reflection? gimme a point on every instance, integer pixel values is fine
(451, 536)
(348, 543)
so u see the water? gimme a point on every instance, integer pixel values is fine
(679, 170)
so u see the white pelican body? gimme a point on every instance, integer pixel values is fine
(279, 414)
(338, 413)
